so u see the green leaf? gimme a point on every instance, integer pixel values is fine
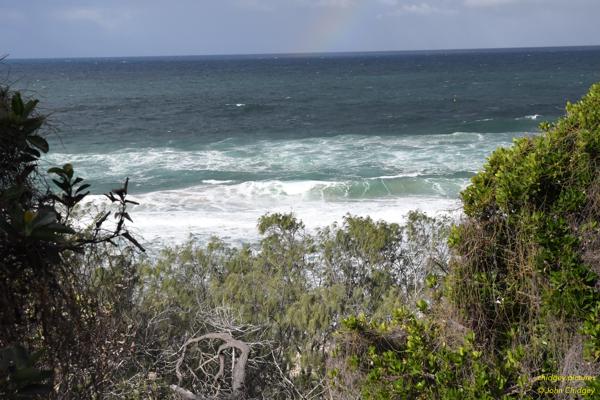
(68, 168)
(38, 142)
(56, 170)
(30, 150)
(17, 104)
(62, 184)
(82, 187)
(101, 220)
(30, 125)
(127, 236)
(29, 158)
(31, 104)
(60, 228)
(44, 234)
(80, 197)
(422, 305)
(43, 217)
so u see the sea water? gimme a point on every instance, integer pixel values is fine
(212, 143)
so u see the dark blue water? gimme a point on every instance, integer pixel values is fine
(211, 143)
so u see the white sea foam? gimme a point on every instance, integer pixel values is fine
(531, 117)
(215, 181)
(232, 211)
(407, 155)
(236, 223)
(224, 187)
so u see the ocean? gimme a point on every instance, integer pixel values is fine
(211, 143)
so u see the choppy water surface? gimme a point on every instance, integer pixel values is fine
(212, 143)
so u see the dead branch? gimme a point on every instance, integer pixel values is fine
(238, 369)
(185, 394)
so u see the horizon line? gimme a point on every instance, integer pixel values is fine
(6, 57)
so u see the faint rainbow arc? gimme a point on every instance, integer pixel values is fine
(331, 28)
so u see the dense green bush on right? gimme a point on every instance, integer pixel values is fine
(527, 272)
(523, 280)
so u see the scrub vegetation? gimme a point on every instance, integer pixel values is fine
(521, 299)
(500, 304)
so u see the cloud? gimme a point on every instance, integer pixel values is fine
(413, 8)
(8, 15)
(334, 3)
(105, 19)
(255, 5)
(327, 3)
(273, 5)
(422, 8)
(154, 27)
(488, 3)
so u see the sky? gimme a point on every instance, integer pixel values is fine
(105, 28)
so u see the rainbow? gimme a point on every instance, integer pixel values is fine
(331, 28)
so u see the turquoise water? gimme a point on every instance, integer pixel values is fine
(212, 143)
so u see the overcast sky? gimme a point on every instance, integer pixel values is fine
(68, 28)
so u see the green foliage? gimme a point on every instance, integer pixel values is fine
(20, 123)
(71, 194)
(524, 236)
(297, 286)
(19, 378)
(524, 282)
(48, 299)
(406, 358)
(591, 328)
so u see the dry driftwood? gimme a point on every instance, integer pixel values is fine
(238, 367)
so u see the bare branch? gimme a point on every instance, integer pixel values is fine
(238, 370)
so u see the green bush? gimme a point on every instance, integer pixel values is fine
(526, 248)
(524, 281)
(295, 286)
(407, 358)
(51, 300)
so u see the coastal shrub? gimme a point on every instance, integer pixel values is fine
(49, 302)
(525, 275)
(407, 357)
(294, 287)
(522, 290)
